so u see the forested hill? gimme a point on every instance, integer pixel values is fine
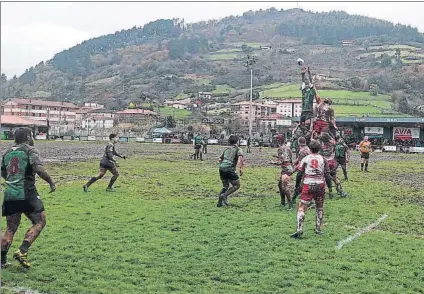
(166, 57)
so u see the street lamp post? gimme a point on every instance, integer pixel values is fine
(251, 60)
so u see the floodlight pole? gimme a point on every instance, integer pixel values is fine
(251, 99)
(251, 60)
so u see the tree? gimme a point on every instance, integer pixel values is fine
(169, 122)
(3, 78)
(374, 89)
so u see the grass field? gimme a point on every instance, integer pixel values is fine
(179, 113)
(161, 232)
(223, 89)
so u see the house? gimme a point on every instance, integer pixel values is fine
(205, 95)
(135, 114)
(348, 42)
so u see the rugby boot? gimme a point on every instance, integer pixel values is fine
(219, 201)
(22, 258)
(110, 189)
(330, 195)
(318, 232)
(296, 235)
(85, 188)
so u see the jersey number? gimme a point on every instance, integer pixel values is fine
(13, 168)
(314, 163)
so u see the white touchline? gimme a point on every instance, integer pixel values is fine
(368, 228)
(21, 290)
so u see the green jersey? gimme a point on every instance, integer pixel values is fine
(18, 167)
(229, 158)
(308, 96)
(341, 150)
(198, 140)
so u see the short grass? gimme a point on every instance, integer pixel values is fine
(224, 56)
(161, 232)
(223, 89)
(179, 113)
(293, 91)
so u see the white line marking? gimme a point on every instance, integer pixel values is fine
(368, 228)
(21, 290)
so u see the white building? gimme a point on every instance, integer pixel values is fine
(97, 122)
(289, 107)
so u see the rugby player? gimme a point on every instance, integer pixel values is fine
(315, 168)
(303, 152)
(342, 156)
(19, 165)
(197, 143)
(107, 163)
(230, 158)
(327, 151)
(285, 160)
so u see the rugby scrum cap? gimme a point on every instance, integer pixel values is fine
(302, 141)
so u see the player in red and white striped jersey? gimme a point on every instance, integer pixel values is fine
(315, 169)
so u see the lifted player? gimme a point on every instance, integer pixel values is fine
(342, 155)
(19, 165)
(285, 160)
(315, 168)
(107, 163)
(230, 158)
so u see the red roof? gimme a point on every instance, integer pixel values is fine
(21, 121)
(136, 111)
(42, 102)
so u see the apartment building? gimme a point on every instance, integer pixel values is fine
(60, 116)
(289, 107)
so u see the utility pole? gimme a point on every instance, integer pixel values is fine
(251, 60)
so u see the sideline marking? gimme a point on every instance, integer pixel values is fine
(21, 290)
(368, 228)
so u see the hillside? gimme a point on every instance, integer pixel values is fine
(169, 59)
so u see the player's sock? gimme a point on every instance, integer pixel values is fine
(25, 246)
(362, 166)
(366, 166)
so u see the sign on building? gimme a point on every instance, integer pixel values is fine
(217, 121)
(374, 130)
(400, 133)
(283, 122)
(347, 131)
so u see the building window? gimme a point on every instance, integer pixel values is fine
(33, 107)
(40, 108)
(33, 114)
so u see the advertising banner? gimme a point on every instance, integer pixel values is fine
(374, 130)
(400, 133)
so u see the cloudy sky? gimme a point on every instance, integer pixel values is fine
(34, 32)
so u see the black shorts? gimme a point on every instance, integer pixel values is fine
(306, 115)
(30, 205)
(107, 165)
(197, 147)
(341, 160)
(228, 176)
(365, 155)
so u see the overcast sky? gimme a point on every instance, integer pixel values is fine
(34, 32)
